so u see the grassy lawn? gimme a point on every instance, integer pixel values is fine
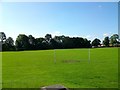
(34, 69)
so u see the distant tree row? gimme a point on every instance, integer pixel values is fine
(24, 42)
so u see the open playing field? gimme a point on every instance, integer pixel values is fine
(71, 68)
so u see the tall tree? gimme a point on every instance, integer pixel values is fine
(96, 42)
(59, 40)
(106, 41)
(48, 37)
(10, 41)
(39, 43)
(32, 42)
(54, 44)
(2, 36)
(114, 39)
(87, 43)
(9, 44)
(78, 42)
(67, 43)
(22, 42)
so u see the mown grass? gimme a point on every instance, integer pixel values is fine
(34, 69)
(0, 70)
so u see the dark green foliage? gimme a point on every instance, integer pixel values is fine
(54, 44)
(9, 44)
(87, 43)
(75, 42)
(39, 43)
(96, 42)
(106, 41)
(2, 36)
(22, 42)
(48, 37)
(10, 41)
(8, 47)
(114, 40)
(32, 42)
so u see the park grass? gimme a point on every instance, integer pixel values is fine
(0, 71)
(71, 68)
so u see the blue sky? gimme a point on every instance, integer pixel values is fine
(84, 19)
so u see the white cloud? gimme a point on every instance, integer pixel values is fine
(92, 37)
(88, 36)
(107, 34)
(75, 36)
(55, 33)
(99, 6)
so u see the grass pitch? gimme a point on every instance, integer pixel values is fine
(71, 68)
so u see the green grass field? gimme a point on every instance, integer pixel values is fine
(34, 69)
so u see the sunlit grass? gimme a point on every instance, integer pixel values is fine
(34, 69)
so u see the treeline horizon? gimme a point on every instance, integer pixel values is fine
(24, 42)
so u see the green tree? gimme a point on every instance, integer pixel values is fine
(32, 42)
(9, 44)
(67, 43)
(22, 42)
(2, 36)
(96, 42)
(54, 44)
(106, 41)
(48, 37)
(10, 41)
(39, 43)
(114, 40)
(59, 41)
(87, 43)
(59, 38)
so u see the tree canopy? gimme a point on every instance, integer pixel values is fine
(24, 42)
(106, 41)
(114, 40)
(96, 42)
(2, 36)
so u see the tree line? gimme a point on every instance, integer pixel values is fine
(24, 42)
